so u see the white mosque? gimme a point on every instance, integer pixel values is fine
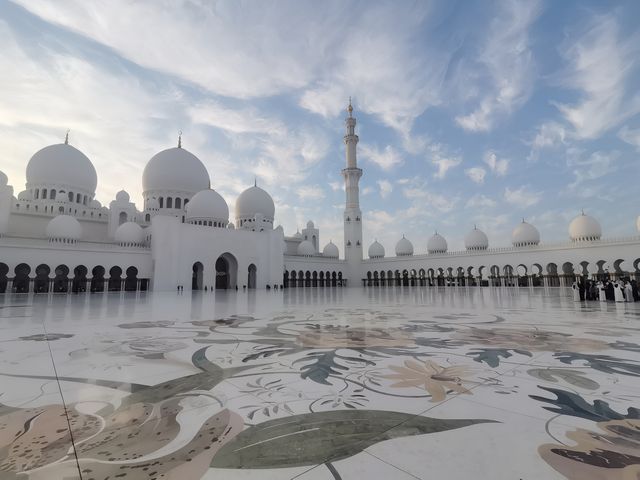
(56, 237)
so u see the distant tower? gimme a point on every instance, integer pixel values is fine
(352, 213)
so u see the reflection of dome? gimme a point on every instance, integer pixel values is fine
(62, 164)
(3, 179)
(330, 250)
(208, 205)
(64, 228)
(437, 244)
(306, 249)
(476, 240)
(122, 197)
(525, 234)
(175, 169)
(376, 250)
(584, 228)
(404, 247)
(129, 234)
(252, 201)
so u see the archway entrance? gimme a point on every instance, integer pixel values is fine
(196, 276)
(226, 271)
(251, 277)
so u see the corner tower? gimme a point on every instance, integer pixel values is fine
(352, 213)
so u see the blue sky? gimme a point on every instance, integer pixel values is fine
(468, 112)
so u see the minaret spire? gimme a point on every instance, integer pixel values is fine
(180, 139)
(66, 137)
(352, 212)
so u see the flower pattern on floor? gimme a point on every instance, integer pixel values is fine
(311, 391)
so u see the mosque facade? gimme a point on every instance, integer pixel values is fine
(56, 237)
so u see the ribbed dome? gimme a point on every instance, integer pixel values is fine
(437, 244)
(208, 205)
(310, 224)
(64, 227)
(122, 197)
(476, 240)
(252, 201)
(404, 247)
(175, 169)
(129, 234)
(584, 228)
(376, 250)
(525, 234)
(3, 179)
(306, 249)
(330, 250)
(62, 164)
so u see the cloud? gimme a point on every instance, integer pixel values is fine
(499, 166)
(593, 167)
(476, 174)
(386, 188)
(310, 192)
(336, 186)
(630, 136)
(386, 159)
(442, 160)
(550, 134)
(600, 63)
(480, 201)
(436, 201)
(507, 63)
(522, 197)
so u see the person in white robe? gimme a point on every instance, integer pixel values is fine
(602, 295)
(576, 292)
(617, 291)
(628, 292)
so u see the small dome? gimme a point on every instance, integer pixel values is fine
(376, 250)
(3, 179)
(175, 169)
(122, 197)
(297, 235)
(95, 204)
(64, 227)
(404, 247)
(62, 164)
(253, 201)
(437, 244)
(584, 228)
(476, 240)
(208, 205)
(306, 249)
(525, 234)
(330, 250)
(24, 195)
(310, 225)
(231, 226)
(129, 234)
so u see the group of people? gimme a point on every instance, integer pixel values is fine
(606, 291)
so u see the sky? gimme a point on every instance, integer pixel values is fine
(469, 112)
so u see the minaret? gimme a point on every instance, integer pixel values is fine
(352, 213)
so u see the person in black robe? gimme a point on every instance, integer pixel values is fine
(611, 296)
(634, 290)
(581, 290)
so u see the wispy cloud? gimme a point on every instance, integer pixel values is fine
(442, 159)
(480, 201)
(630, 136)
(508, 65)
(522, 197)
(498, 166)
(386, 159)
(600, 63)
(476, 174)
(386, 187)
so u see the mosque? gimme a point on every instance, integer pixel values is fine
(56, 237)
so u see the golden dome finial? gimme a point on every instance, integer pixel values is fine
(350, 107)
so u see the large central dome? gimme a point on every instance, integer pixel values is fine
(175, 169)
(62, 165)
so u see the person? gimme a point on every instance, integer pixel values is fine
(618, 292)
(634, 291)
(594, 291)
(628, 292)
(601, 293)
(581, 289)
(610, 293)
(576, 292)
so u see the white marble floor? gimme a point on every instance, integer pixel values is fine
(322, 384)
